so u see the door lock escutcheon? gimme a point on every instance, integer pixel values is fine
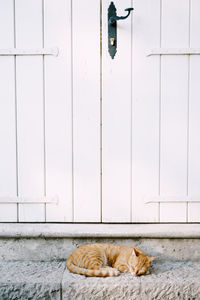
(112, 27)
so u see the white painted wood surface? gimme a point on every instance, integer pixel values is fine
(173, 51)
(40, 51)
(58, 110)
(116, 120)
(174, 108)
(29, 200)
(173, 212)
(103, 136)
(8, 180)
(29, 94)
(86, 110)
(146, 93)
(172, 199)
(194, 113)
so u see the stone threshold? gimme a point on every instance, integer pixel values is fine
(70, 230)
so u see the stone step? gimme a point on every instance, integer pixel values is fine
(168, 280)
(23, 280)
(46, 242)
(32, 262)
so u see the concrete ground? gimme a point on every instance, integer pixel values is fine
(50, 280)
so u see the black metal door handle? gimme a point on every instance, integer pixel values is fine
(113, 19)
(112, 27)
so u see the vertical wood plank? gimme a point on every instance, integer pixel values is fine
(8, 184)
(174, 108)
(173, 212)
(58, 111)
(194, 113)
(30, 109)
(193, 212)
(145, 133)
(116, 120)
(86, 110)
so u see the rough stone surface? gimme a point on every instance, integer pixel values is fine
(167, 281)
(31, 280)
(174, 280)
(78, 287)
(47, 249)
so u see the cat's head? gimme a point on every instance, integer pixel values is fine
(139, 263)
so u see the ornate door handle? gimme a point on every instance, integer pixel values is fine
(112, 27)
(113, 19)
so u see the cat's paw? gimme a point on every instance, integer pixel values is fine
(116, 272)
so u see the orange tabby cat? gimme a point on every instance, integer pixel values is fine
(108, 260)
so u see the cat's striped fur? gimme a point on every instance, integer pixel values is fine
(103, 260)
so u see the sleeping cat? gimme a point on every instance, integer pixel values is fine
(108, 260)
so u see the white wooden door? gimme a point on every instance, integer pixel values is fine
(50, 111)
(35, 111)
(87, 138)
(165, 106)
(150, 107)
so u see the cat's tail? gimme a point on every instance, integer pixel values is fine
(102, 272)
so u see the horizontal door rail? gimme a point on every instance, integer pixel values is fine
(173, 51)
(172, 199)
(38, 51)
(28, 200)
(181, 201)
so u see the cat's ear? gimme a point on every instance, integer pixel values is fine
(135, 252)
(151, 259)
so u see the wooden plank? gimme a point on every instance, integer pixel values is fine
(86, 110)
(116, 120)
(194, 113)
(8, 180)
(172, 199)
(58, 110)
(29, 200)
(193, 212)
(174, 109)
(30, 109)
(172, 212)
(145, 132)
(173, 51)
(38, 51)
